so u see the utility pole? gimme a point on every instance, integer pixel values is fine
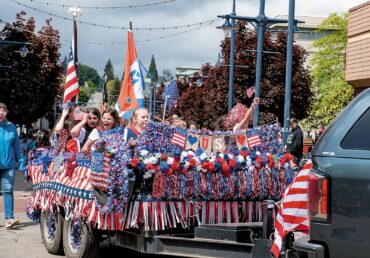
(288, 74)
(232, 55)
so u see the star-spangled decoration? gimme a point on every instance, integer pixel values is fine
(139, 196)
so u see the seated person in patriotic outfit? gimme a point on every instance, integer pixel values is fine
(91, 120)
(60, 137)
(138, 123)
(110, 119)
(248, 117)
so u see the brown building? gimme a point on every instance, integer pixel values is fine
(358, 47)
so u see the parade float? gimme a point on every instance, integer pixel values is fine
(174, 180)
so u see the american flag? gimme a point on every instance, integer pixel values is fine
(250, 91)
(293, 213)
(179, 138)
(99, 176)
(172, 93)
(254, 140)
(71, 88)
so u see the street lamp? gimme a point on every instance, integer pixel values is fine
(23, 51)
(227, 28)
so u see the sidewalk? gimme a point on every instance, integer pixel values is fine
(22, 193)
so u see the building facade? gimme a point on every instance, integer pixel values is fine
(305, 34)
(357, 53)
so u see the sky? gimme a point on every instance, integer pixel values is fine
(194, 46)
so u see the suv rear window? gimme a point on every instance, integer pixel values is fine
(358, 138)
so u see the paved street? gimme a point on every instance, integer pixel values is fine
(25, 241)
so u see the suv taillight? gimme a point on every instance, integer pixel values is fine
(317, 197)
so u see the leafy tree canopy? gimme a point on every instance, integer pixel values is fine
(206, 104)
(332, 92)
(30, 86)
(113, 87)
(87, 73)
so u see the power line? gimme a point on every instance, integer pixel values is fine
(118, 42)
(112, 26)
(105, 7)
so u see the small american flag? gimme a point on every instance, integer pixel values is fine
(178, 138)
(100, 169)
(293, 214)
(71, 88)
(254, 140)
(251, 91)
(172, 93)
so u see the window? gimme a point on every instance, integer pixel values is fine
(358, 137)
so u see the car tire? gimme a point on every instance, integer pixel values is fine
(88, 244)
(51, 225)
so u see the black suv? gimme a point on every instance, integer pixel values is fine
(339, 187)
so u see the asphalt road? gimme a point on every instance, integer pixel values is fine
(24, 241)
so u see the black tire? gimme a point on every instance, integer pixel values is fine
(52, 234)
(89, 243)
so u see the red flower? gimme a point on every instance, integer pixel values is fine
(157, 169)
(175, 166)
(204, 165)
(287, 157)
(271, 162)
(259, 160)
(244, 153)
(232, 163)
(164, 157)
(184, 170)
(225, 169)
(134, 162)
(169, 172)
(220, 160)
(149, 167)
(211, 167)
(192, 162)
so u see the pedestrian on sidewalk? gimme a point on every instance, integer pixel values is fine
(10, 155)
(295, 141)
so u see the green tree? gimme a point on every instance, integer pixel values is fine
(331, 92)
(30, 86)
(113, 87)
(87, 73)
(65, 64)
(86, 91)
(207, 103)
(109, 70)
(153, 69)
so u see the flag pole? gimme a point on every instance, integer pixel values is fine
(75, 10)
(164, 109)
